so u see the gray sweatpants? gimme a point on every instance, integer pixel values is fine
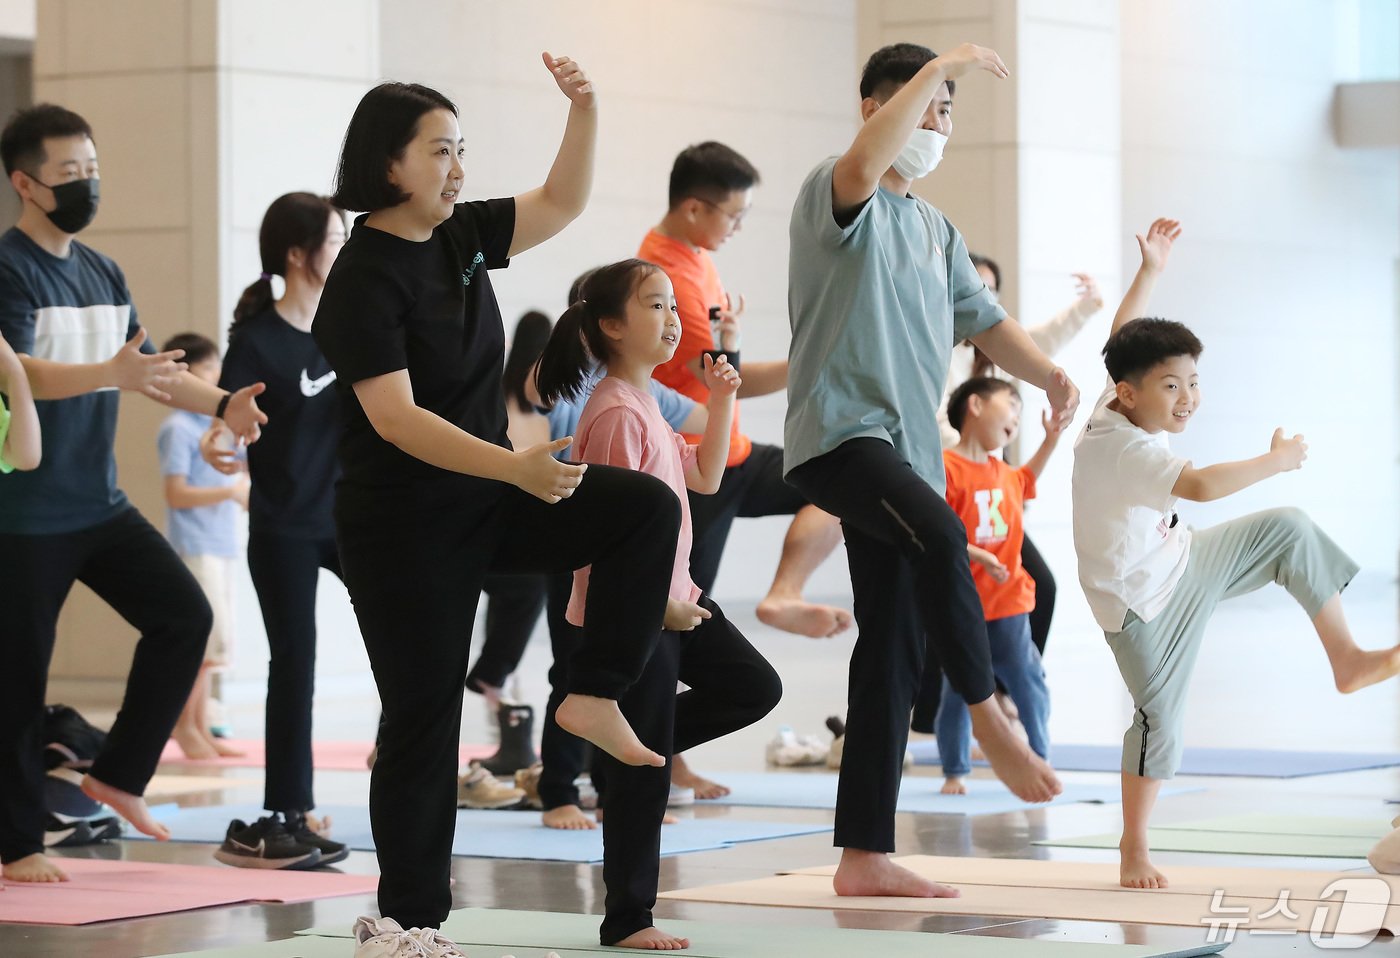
(1156, 658)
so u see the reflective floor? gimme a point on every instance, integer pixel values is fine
(1261, 682)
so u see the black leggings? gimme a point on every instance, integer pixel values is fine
(731, 686)
(513, 606)
(134, 570)
(913, 588)
(931, 687)
(285, 571)
(414, 563)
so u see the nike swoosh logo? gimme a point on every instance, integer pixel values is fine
(257, 849)
(311, 387)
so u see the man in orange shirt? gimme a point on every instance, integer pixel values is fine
(989, 497)
(710, 192)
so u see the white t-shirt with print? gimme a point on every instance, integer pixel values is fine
(1132, 548)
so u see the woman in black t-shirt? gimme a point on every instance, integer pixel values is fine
(432, 498)
(291, 532)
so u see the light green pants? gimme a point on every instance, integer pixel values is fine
(1156, 658)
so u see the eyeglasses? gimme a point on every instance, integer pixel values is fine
(734, 218)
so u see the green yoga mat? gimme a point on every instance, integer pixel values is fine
(1373, 829)
(1231, 843)
(578, 934)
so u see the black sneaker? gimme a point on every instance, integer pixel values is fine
(265, 844)
(331, 852)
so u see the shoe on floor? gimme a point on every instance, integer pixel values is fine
(528, 781)
(788, 749)
(680, 797)
(331, 851)
(478, 788)
(386, 938)
(265, 844)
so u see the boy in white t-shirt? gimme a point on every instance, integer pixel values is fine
(1153, 582)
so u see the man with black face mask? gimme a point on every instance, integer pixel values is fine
(66, 311)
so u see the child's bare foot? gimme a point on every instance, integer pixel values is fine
(666, 819)
(1136, 871)
(601, 722)
(1030, 777)
(318, 825)
(683, 777)
(804, 618)
(954, 786)
(131, 807)
(568, 817)
(224, 749)
(1363, 668)
(196, 746)
(34, 868)
(872, 874)
(653, 939)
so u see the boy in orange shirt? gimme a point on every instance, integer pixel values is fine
(989, 496)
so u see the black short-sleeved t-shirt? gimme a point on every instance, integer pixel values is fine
(293, 464)
(428, 307)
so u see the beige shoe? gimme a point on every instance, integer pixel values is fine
(478, 788)
(528, 781)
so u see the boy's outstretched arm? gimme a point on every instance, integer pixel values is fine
(881, 137)
(544, 211)
(1227, 478)
(1155, 247)
(1037, 463)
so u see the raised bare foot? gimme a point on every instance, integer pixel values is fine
(954, 786)
(196, 747)
(1030, 777)
(872, 874)
(35, 868)
(804, 618)
(131, 807)
(704, 788)
(568, 817)
(1363, 668)
(601, 722)
(653, 939)
(1136, 871)
(224, 749)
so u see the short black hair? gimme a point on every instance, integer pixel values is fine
(197, 348)
(22, 142)
(1141, 344)
(892, 66)
(986, 262)
(385, 121)
(709, 171)
(984, 386)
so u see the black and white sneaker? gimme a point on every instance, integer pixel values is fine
(331, 852)
(265, 844)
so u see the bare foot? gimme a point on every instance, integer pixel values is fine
(666, 819)
(601, 722)
(653, 939)
(196, 747)
(804, 618)
(318, 825)
(1135, 871)
(131, 807)
(1363, 668)
(567, 817)
(35, 868)
(704, 788)
(872, 874)
(224, 749)
(1030, 777)
(954, 786)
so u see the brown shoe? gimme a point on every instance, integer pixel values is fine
(478, 788)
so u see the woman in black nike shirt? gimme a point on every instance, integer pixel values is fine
(433, 498)
(291, 532)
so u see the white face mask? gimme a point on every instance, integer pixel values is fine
(921, 154)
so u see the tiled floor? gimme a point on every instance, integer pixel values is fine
(1261, 682)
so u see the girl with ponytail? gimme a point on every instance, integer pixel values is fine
(625, 318)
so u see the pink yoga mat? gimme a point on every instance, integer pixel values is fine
(327, 756)
(101, 890)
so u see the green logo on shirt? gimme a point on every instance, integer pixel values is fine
(990, 524)
(470, 271)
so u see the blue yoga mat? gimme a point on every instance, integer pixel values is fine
(916, 793)
(1242, 762)
(491, 834)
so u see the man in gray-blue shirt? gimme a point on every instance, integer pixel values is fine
(880, 289)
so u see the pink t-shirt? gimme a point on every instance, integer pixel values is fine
(622, 426)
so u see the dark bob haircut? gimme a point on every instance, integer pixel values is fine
(385, 122)
(983, 386)
(1143, 343)
(22, 142)
(893, 66)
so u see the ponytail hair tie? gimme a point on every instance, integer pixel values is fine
(265, 276)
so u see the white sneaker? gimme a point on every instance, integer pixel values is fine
(386, 938)
(789, 749)
(680, 797)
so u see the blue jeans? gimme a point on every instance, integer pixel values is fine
(1016, 663)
